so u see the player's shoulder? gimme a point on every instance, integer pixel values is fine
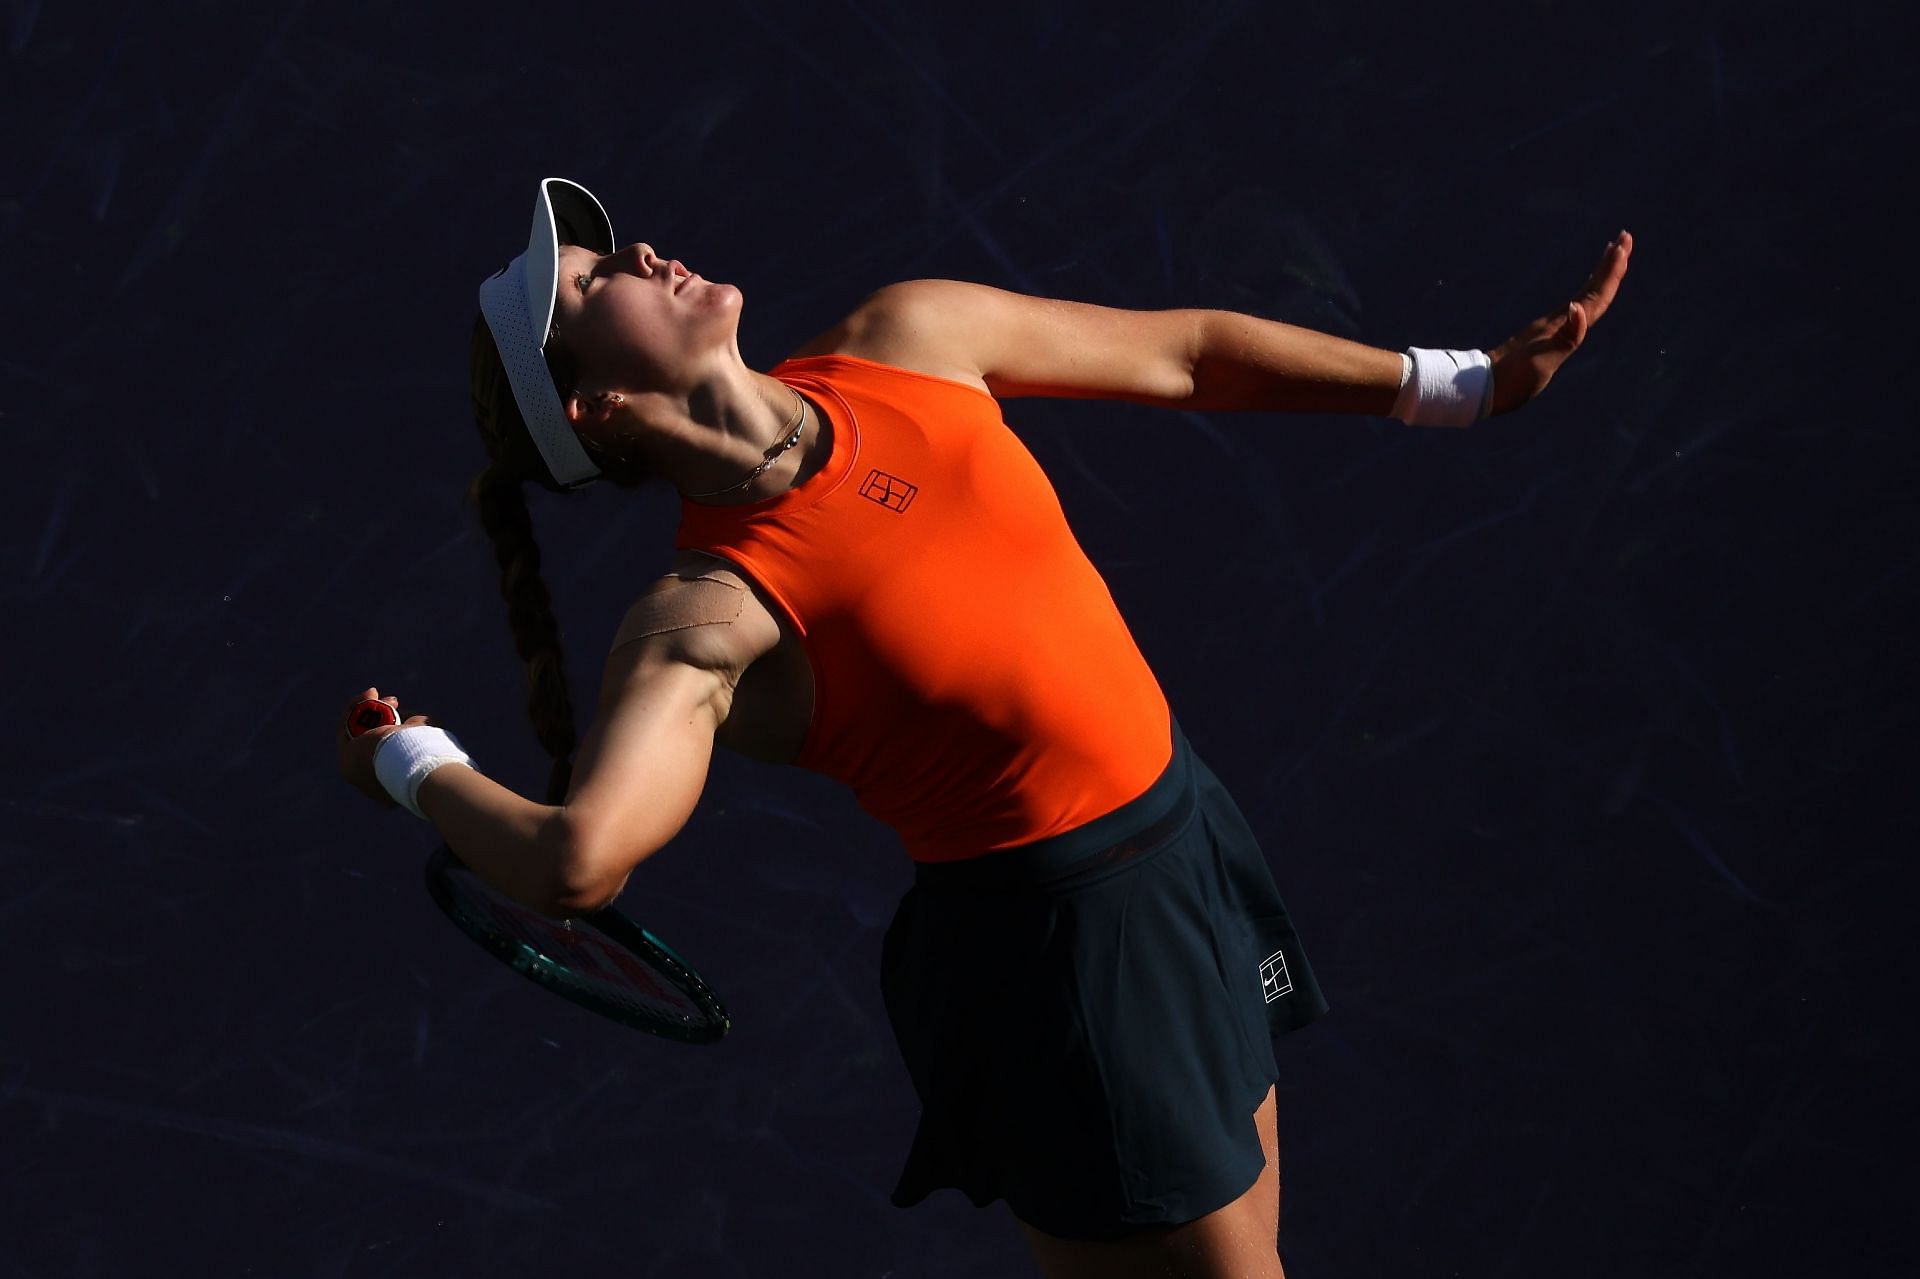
(910, 325)
(703, 611)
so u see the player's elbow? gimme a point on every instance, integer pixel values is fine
(590, 896)
(583, 900)
(600, 859)
(575, 904)
(562, 888)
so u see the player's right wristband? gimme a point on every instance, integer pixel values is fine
(1444, 388)
(403, 760)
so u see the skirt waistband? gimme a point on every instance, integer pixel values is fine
(1138, 826)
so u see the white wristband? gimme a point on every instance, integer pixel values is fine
(1444, 388)
(403, 760)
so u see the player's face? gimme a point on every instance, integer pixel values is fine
(632, 319)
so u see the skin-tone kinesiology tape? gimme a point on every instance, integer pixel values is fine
(675, 603)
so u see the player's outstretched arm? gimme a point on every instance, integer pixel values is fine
(1190, 359)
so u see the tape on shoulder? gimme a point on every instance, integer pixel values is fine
(676, 603)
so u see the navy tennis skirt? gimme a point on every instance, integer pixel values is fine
(1089, 1020)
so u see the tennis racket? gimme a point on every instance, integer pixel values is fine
(602, 961)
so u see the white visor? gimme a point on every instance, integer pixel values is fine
(518, 303)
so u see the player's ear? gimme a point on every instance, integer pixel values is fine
(584, 407)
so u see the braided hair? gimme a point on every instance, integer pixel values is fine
(499, 497)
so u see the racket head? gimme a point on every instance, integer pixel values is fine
(605, 962)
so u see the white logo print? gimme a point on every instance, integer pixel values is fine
(1273, 976)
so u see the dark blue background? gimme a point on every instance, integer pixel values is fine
(1578, 742)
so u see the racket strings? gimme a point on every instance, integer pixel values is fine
(577, 957)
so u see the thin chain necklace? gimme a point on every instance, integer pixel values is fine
(773, 455)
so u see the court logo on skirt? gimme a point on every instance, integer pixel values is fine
(1273, 976)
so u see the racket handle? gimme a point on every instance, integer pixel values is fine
(369, 715)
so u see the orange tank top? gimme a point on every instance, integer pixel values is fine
(974, 683)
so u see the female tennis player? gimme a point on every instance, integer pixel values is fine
(875, 581)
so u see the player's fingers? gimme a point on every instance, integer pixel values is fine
(1605, 276)
(1578, 321)
(1605, 281)
(1564, 332)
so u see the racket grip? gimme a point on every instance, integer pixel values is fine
(369, 715)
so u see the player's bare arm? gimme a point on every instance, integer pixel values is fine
(665, 690)
(1193, 359)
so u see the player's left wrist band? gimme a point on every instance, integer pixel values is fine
(1444, 388)
(403, 760)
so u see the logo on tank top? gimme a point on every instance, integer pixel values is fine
(1274, 980)
(890, 491)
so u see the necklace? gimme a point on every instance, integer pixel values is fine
(773, 454)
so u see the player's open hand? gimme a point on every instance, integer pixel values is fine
(356, 753)
(1527, 361)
